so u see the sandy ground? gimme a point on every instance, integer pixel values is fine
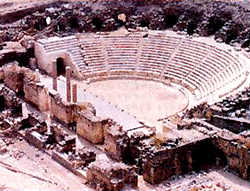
(35, 170)
(214, 180)
(147, 100)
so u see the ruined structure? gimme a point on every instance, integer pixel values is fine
(110, 176)
(45, 77)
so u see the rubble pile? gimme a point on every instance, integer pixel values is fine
(113, 176)
(229, 22)
(11, 112)
(24, 113)
(231, 113)
(116, 142)
(75, 160)
(234, 106)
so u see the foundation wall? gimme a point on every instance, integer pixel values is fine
(116, 143)
(92, 130)
(65, 163)
(111, 176)
(37, 94)
(61, 110)
(164, 163)
(234, 125)
(13, 77)
(238, 156)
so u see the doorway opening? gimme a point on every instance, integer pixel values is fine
(2, 103)
(60, 67)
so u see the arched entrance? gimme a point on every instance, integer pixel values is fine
(60, 67)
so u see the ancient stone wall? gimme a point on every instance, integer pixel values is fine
(59, 109)
(13, 77)
(90, 127)
(234, 125)
(116, 141)
(109, 175)
(35, 92)
(45, 63)
(26, 83)
(161, 163)
(237, 154)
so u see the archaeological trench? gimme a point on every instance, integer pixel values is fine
(165, 41)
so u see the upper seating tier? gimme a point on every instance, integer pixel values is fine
(204, 67)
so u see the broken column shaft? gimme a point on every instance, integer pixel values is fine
(54, 76)
(37, 75)
(68, 84)
(74, 93)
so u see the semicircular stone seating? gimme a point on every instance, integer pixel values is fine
(201, 67)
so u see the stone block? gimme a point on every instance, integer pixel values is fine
(90, 127)
(110, 175)
(13, 78)
(116, 142)
(59, 109)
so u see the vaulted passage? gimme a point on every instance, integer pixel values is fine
(206, 155)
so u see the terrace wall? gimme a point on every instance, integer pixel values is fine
(237, 154)
(161, 164)
(90, 127)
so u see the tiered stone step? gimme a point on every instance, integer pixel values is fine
(121, 51)
(66, 44)
(94, 60)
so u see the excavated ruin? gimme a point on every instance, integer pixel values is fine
(200, 137)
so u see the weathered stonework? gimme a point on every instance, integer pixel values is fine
(163, 162)
(59, 109)
(109, 175)
(36, 93)
(237, 154)
(116, 141)
(13, 77)
(90, 127)
(163, 158)
(1, 74)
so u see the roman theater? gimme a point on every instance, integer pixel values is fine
(125, 95)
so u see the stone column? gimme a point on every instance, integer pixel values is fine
(74, 92)
(68, 84)
(54, 76)
(25, 111)
(55, 84)
(37, 75)
(48, 122)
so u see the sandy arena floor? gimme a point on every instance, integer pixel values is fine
(147, 100)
